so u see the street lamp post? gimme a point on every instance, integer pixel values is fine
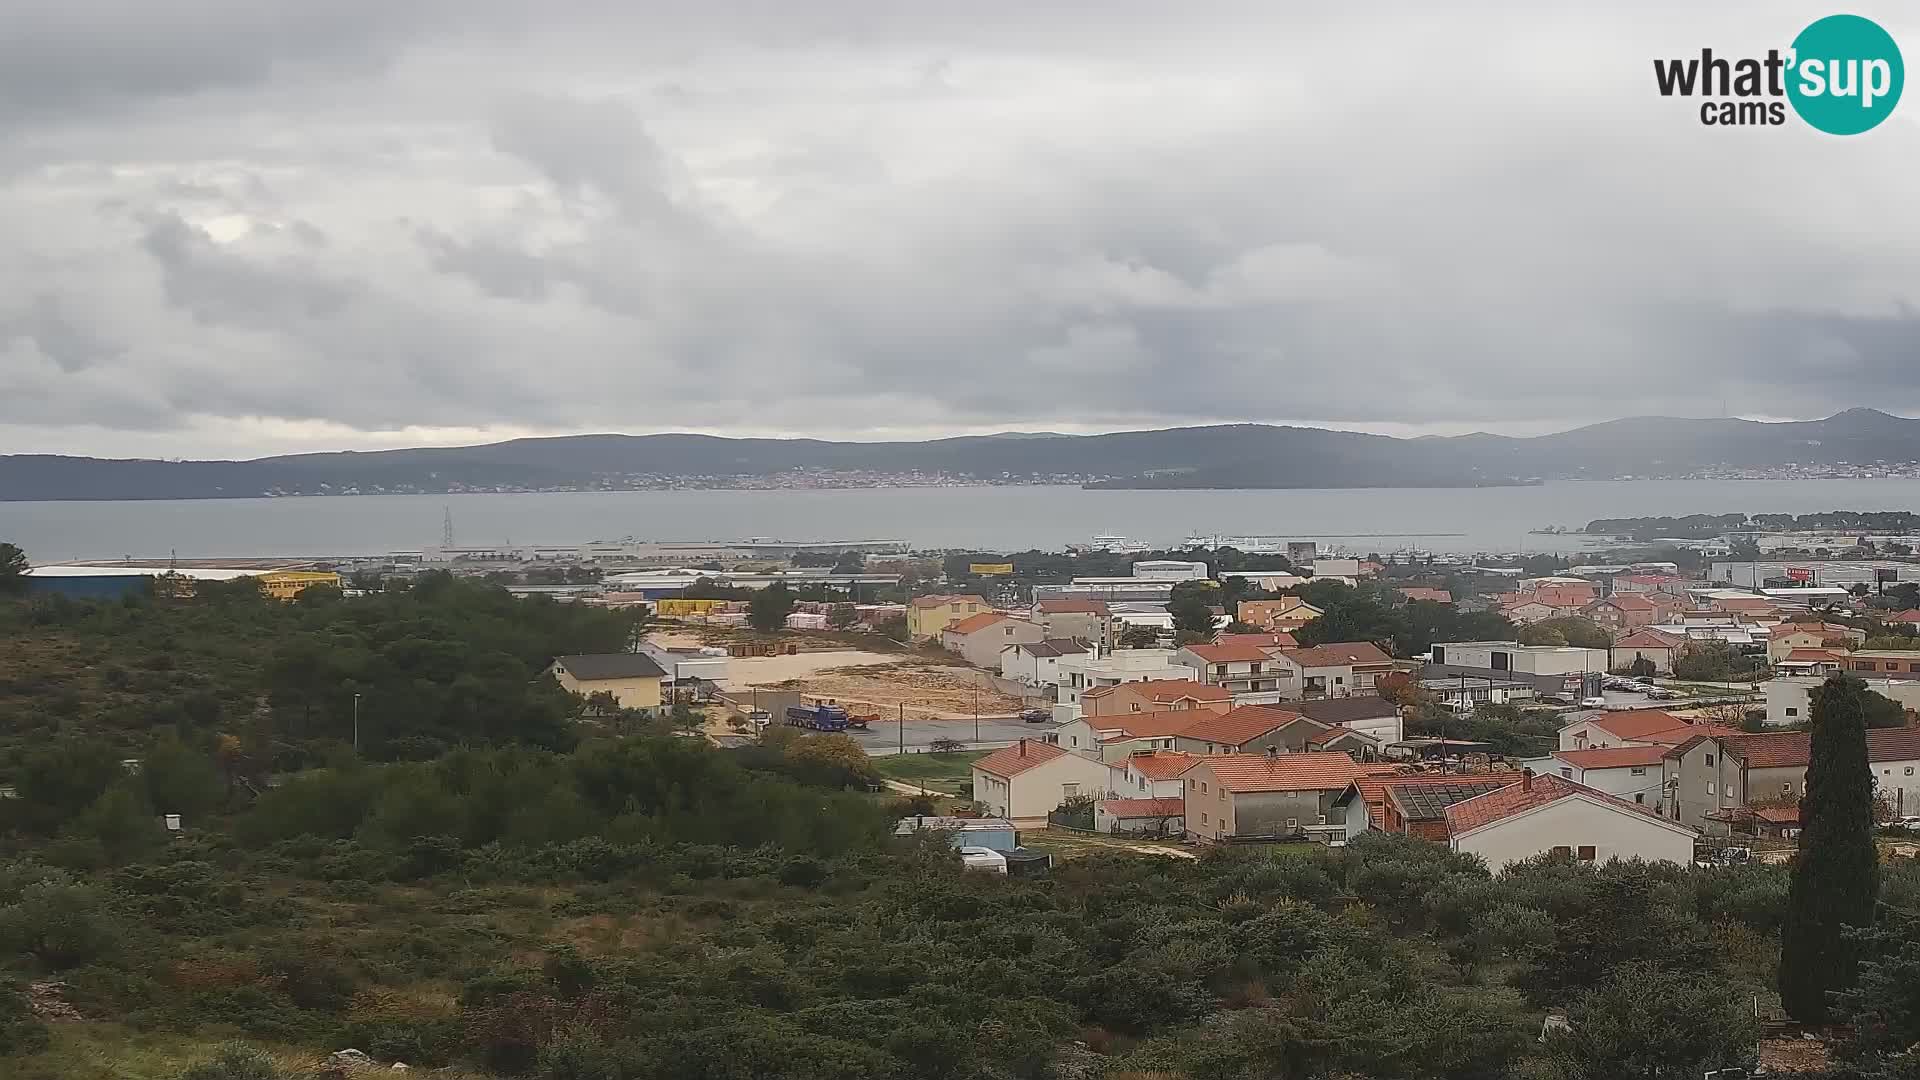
(976, 714)
(356, 724)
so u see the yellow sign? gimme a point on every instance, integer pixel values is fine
(990, 569)
(683, 606)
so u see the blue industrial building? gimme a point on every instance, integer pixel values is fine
(89, 586)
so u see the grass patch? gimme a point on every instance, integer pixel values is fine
(941, 772)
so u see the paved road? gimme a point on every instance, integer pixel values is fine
(996, 731)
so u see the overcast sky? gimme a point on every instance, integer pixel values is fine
(240, 227)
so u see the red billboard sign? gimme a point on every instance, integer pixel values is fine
(1799, 573)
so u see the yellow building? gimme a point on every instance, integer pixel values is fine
(675, 606)
(633, 679)
(928, 615)
(287, 584)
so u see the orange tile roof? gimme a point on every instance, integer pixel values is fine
(1373, 787)
(1145, 725)
(1228, 654)
(1160, 764)
(1912, 616)
(1629, 602)
(1011, 761)
(973, 623)
(1813, 655)
(1338, 654)
(1778, 815)
(1650, 725)
(1483, 810)
(1794, 749)
(1613, 757)
(1139, 808)
(1237, 727)
(1416, 592)
(1251, 773)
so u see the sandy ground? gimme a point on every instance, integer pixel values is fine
(744, 671)
(927, 690)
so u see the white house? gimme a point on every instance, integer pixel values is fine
(1241, 669)
(1037, 663)
(1027, 780)
(1085, 671)
(1790, 701)
(1542, 814)
(1634, 774)
(1170, 570)
(979, 638)
(1148, 774)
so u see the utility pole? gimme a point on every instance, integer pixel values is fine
(903, 727)
(356, 725)
(976, 714)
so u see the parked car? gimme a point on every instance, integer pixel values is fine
(1661, 693)
(1593, 703)
(1035, 716)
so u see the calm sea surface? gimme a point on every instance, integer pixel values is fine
(1468, 520)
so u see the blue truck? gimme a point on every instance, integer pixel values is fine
(817, 717)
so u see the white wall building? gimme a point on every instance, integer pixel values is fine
(1527, 659)
(1789, 697)
(1037, 663)
(1078, 674)
(1632, 774)
(1549, 814)
(1170, 570)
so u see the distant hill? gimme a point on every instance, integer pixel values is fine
(1224, 456)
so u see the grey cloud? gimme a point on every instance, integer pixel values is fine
(818, 217)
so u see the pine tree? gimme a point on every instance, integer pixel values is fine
(1836, 877)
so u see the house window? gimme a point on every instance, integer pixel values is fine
(1293, 823)
(1787, 786)
(1562, 849)
(1568, 773)
(1191, 784)
(1791, 711)
(1909, 770)
(1203, 817)
(1637, 770)
(1136, 706)
(1203, 787)
(1068, 791)
(1709, 761)
(1709, 787)
(1586, 853)
(1339, 680)
(1640, 797)
(1223, 794)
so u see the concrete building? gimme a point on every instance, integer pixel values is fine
(1241, 669)
(1555, 670)
(1412, 804)
(1156, 695)
(1633, 727)
(1710, 778)
(1088, 671)
(978, 639)
(1283, 615)
(632, 679)
(1544, 814)
(1170, 570)
(1372, 716)
(1037, 663)
(1090, 621)
(1656, 647)
(1268, 796)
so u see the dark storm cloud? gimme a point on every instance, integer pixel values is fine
(317, 223)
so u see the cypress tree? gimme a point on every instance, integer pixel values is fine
(1836, 877)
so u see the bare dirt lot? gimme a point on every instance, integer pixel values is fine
(926, 690)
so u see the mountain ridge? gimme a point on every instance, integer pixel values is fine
(1244, 455)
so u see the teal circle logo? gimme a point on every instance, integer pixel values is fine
(1846, 75)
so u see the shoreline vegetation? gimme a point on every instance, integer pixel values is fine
(1702, 526)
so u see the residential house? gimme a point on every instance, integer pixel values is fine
(1820, 634)
(631, 679)
(1561, 670)
(1910, 617)
(1028, 780)
(1248, 729)
(1647, 584)
(1148, 774)
(1527, 612)
(1790, 697)
(1112, 738)
(1240, 669)
(1635, 773)
(1155, 695)
(978, 639)
(1037, 663)
(1375, 717)
(927, 616)
(1412, 804)
(1771, 767)
(1542, 814)
(1634, 727)
(1656, 647)
(1622, 613)
(1884, 663)
(1091, 621)
(1079, 674)
(1334, 670)
(1420, 592)
(1282, 615)
(1267, 796)
(1815, 662)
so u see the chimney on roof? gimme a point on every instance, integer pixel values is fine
(1526, 779)
(1023, 748)
(1273, 753)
